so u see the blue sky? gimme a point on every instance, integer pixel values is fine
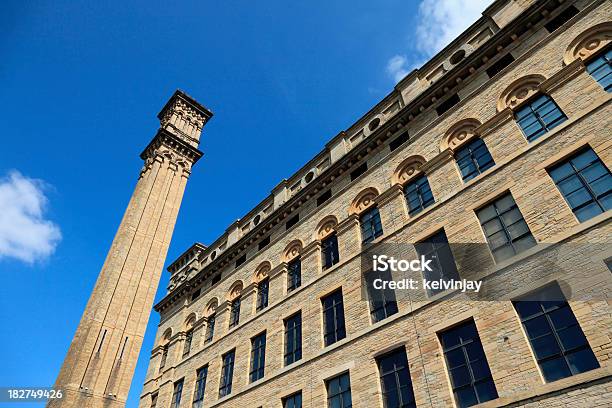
(80, 85)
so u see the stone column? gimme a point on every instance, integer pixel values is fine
(311, 261)
(248, 300)
(392, 207)
(349, 237)
(278, 282)
(99, 366)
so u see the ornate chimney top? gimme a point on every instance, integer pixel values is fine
(184, 117)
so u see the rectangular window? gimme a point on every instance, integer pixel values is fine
(324, 197)
(293, 338)
(398, 141)
(263, 243)
(437, 248)
(333, 318)
(473, 159)
(227, 374)
(467, 365)
(556, 339)
(447, 104)
(418, 195)
(362, 168)
(339, 392)
(395, 380)
(600, 68)
(585, 182)
(539, 116)
(215, 279)
(329, 251)
(371, 226)
(293, 401)
(507, 232)
(200, 387)
(263, 288)
(292, 221)
(188, 341)
(500, 64)
(210, 328)
(294, 274)
(177, 394)
(241, 260)
(382, 302)
(234, 317)
(561, 19)
(258, 357)
(164, 357)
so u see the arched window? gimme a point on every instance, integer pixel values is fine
(369, 217)
(469, 150)
(534, 111)
(234, 297)
(294, 265)
(188, 334)
(593, 46)
(166, 340)
(415, 184)
(329, 241)
(262, 280)
(211, 313)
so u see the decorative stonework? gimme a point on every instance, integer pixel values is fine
(211, 307)
(460, 133)
(190, 321)
(407, 169)
(326, 226)
(293, 250)
(519, 91)
(589, 42)
(262, 271)
(184, 117)
(364, 200)
(235, 290)
(167, 336)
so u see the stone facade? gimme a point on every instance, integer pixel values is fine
(550, 46)
(98, 369)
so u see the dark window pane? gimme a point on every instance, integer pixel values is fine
(505, 229)
(371, 226)
(333, 318)
(469, 371)
(294, 274)
(293, 338)
(329, 251)
(227, 373)
(263, 289)
(556, 338)
(395, 379)
(539, 116)
(418, 195)
(473, 158)
(585, 183)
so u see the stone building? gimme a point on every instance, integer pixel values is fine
(501, 141)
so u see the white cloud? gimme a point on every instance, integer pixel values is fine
(25, 234)
(439, 22)
(397, 67)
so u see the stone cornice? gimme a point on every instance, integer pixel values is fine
(167, 139)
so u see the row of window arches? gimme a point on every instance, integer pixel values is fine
(534, 111)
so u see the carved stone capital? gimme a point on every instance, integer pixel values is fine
(184, 117)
